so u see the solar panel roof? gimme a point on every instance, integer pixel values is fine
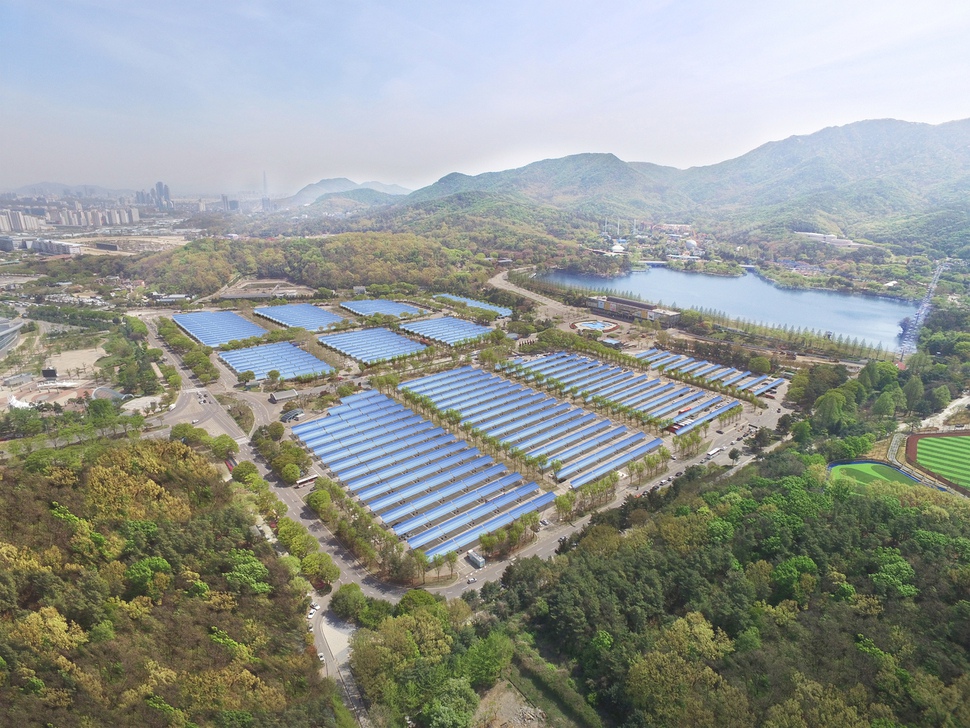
(303, 315)
(214, 328)
(448, 330)
(472, 303)
(372, 345)
(370, 307)
(290, 361)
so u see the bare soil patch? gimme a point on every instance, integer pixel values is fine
(505, 707)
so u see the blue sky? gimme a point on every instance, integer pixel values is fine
(207, 95)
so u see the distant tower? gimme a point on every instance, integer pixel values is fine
(265, 188)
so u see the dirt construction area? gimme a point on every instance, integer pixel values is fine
(505, 707)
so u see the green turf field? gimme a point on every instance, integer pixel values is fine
(868, 472)
(946, 456)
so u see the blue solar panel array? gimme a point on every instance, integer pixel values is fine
(532, 422)
(214, 328)
(372, 345)
(616, 385)
(430, 488)
(372, 306)
(472, 303)
(290, 361)
(703, 370)
(448, 330)
(302, 315)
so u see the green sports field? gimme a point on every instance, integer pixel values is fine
(868, 472)
(946, 456)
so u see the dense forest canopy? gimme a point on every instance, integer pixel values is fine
(134, 592)
(782, 600)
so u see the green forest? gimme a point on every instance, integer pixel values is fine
(133, 591)
(776, 598)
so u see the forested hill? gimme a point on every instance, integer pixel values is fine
(882, 179)
(776, 600)
(133, 592)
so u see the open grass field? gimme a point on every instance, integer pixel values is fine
(946, 456)
(867, 472)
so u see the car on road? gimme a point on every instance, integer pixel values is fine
(314, 606)
(311, 614)
(678, 474)
(321, 657)
(471, 580)
(543, 522)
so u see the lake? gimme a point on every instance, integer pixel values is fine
(876, 320)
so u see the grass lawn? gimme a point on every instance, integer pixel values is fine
(868, 472)
(946, 456)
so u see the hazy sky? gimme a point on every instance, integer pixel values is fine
(207, 94)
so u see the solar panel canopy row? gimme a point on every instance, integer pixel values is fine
(621, 386)
(429, 487)
(301, 315)
(706, 370)
(290, 361)
(374, 306)
(372, 345)
(448, 330)
(215, 328)
(530, 421)
(472, 303)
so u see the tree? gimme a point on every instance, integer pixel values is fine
(830, 410)
(486, 659)
(452, 559)
(913, 390)
(246, 377)
(759, 365)
(453, 706)
(735, 455)
(318, 566)
(941, 397)
(885, 405)
(243, 470)
(290, 473)
(348, 602)
(223, 446)
(276, 430)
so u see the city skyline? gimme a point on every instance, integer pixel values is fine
(208, 98)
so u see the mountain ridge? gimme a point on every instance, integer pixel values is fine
(841, 179)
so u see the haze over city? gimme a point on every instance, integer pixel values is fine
(208, 97)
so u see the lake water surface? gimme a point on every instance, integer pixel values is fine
(876, 320)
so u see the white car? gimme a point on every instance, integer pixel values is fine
(321, 657)
(311, 614)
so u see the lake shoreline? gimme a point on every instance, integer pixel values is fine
(756, 299)
(759, 274)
